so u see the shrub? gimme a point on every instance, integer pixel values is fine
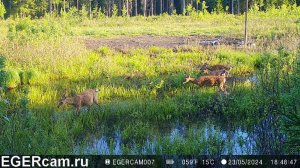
(2, 77)
(261, 61)
(23, 77)
(33, 76)
(2, 62)
(104, 51)
(11, 79)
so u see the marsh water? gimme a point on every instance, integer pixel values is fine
(202, 134)
(198, 133)
(206, 137)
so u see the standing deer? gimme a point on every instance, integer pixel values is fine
(86, 98)
(215, 67)
(209, 81)
(215, 72)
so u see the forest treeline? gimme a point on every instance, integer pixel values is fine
(38, 8)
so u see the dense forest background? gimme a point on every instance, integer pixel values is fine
(96, 8)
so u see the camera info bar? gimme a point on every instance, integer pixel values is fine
(150, 161)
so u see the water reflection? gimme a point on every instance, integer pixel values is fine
(236, 141)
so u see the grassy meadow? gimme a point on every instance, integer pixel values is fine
(144, 106)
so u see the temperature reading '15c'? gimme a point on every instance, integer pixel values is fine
(208, 162)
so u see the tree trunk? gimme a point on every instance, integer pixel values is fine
(10, 6)
(155, 8)
(246, 24)
(161, 6)
(131, 8)
(183, 7)
(127, 7)
(54, 6)
(120, 6)
(108, 8)
(64, 5)
(145, 8)
(238, 4)
(90, 9)
(136, 6)
(50, 6)
(166, 6)
(171, 7)
(77, 4)
(152, 7)
(232, 9)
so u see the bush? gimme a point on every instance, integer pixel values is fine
(2, 77)
(104, 51)
(2, 62)
(11, 78)
(23, 77)
(26, 30)
(32, 76)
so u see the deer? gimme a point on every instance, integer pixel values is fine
(216, 72)
(132, 75)
(208, 81)
(215, 67)
(86, 98)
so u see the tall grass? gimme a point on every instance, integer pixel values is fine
(153, 96)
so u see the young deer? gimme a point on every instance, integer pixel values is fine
(216, 72)
(86, 98)
(215, 67)
(209, 81)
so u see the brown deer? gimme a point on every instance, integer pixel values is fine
(209, 81)
(134, 74)
(216, 72)
(86, 98)
(215, 67)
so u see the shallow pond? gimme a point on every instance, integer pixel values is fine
(206, 138)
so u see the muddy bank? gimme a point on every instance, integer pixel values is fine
(125, 43)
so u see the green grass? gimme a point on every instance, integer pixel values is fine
(147, 105)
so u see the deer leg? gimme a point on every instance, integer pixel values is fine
(77, 111)
(96, 101)
(222, 87)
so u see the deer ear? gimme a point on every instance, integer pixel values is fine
(224, 72)
(64, 96)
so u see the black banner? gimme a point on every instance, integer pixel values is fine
(96, 161)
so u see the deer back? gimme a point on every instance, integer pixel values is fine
(87, 97)
(210, 80)
(218, 67)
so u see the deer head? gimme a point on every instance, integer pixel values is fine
(187, 79)
(203, 66)
(62, 101)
